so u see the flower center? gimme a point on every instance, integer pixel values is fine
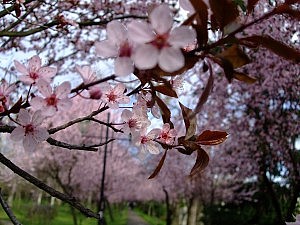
(161, 41)
(125, 50)
(112, 97)
(144, 139)
(33, 75)
(132, 123)
(29, 128)
(52, 100)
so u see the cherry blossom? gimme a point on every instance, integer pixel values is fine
(297, 222)
(113, 96)
(54, 100)
(29, 130)
(5, 90)
(117, 46)
(158, 43)
(145, 102)
(34, 71)
(167, 135)
(134, 121)
(88, 76)
(146, 141)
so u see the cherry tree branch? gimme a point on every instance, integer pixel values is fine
(8, 210)
(38, 183)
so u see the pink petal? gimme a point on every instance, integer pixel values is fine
(47, 72)
(113, 105)
(161, 19)
(170, 59)
(140, 32)
(116, 32)
(166, 127)
(63, 90)
(126, 115)
(154, 133)
(153, 148)
(119, 89)
(44, 87)
(37, 118)
(24, 117)
(86, 73)
(41, 134)
(29, 143)
(146, 57)
(186, 5)
(49, 111)
(123, 66)
(34, 63)
(37, 103)
(182, 36)
(26, 79)
(17, 134)
(64, 104)
(106, 49)
(20, 67)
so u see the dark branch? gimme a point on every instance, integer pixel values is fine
(8, 210)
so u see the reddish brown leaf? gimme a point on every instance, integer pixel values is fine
(243, 77)
(209, 137)
(159, 166)
(235, 55)
(201, 163)
(190, 121)
(288, 10)
(165, 111)
(277, 47)
(224, 11)
(203, 98)
(17, 9)
(166, 90)
(251, 4)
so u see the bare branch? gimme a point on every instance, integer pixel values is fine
(8, 210)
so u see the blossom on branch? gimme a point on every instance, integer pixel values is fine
(29, 130)
(167, 135)
(134, 121)
(158, 43)
(117, 46)
(5, 90)
(54, 100)
(34, 71)
(113, 96)
(147, 141)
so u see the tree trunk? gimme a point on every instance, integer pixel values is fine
(194, 212)
(74, 216)
(169, 213)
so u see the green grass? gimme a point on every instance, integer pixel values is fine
(150, 219)
(29, 214)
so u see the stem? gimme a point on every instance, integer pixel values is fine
(8, 210)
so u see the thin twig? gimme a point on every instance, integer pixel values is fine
(8, 210)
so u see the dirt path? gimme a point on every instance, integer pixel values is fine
(134, 219)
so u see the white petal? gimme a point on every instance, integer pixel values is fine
(161, 19)
(64, 104)
(17, 134)
(41, 134)
(126, 115)
(116, 32)
(44, 87)
(20, 67)
(63, 90)
(170, 59)
(123, 66)
(153, 148)
(49, 111)
(29, 143)
(146, 57)
(26, 79)
(38, 103)
(119, 89)
(106, 49)
(140, 32)
(37, 118)
(24, 117)
(47, 72)
(182, 36)
(34, 63)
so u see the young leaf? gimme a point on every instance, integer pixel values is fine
(243, 77)
(190, 121)
(209, 137)
(159, 166)
(277, 47)
(224, 11)
(201, 162)
(165, 111)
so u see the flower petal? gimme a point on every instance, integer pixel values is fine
(24, 117)
(26, 79)
(63, 90)
(106, 49)
(116, 32)
(123, 66)
(153, 148)
(186, 5)
(17, 134)
(20, 67)
(29, 143)
(64, 104)
(47, 72)
(41, 134)
(146, 57)
(37, 118)
(126, 115)
(34, 63)
(44, 87)
(37, 103)
(182, 36)
(140, 32)
(161, 19)
(170, 59)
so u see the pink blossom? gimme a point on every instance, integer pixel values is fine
(167, 135)
(146, 141)
(113, 96)
(117, 46)
(145, 102)
(5, 90)
(134, 121)
(54, 100)
(29, 130)
(158, 43)
(297, 222)
(34, 71)
(89, 76)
